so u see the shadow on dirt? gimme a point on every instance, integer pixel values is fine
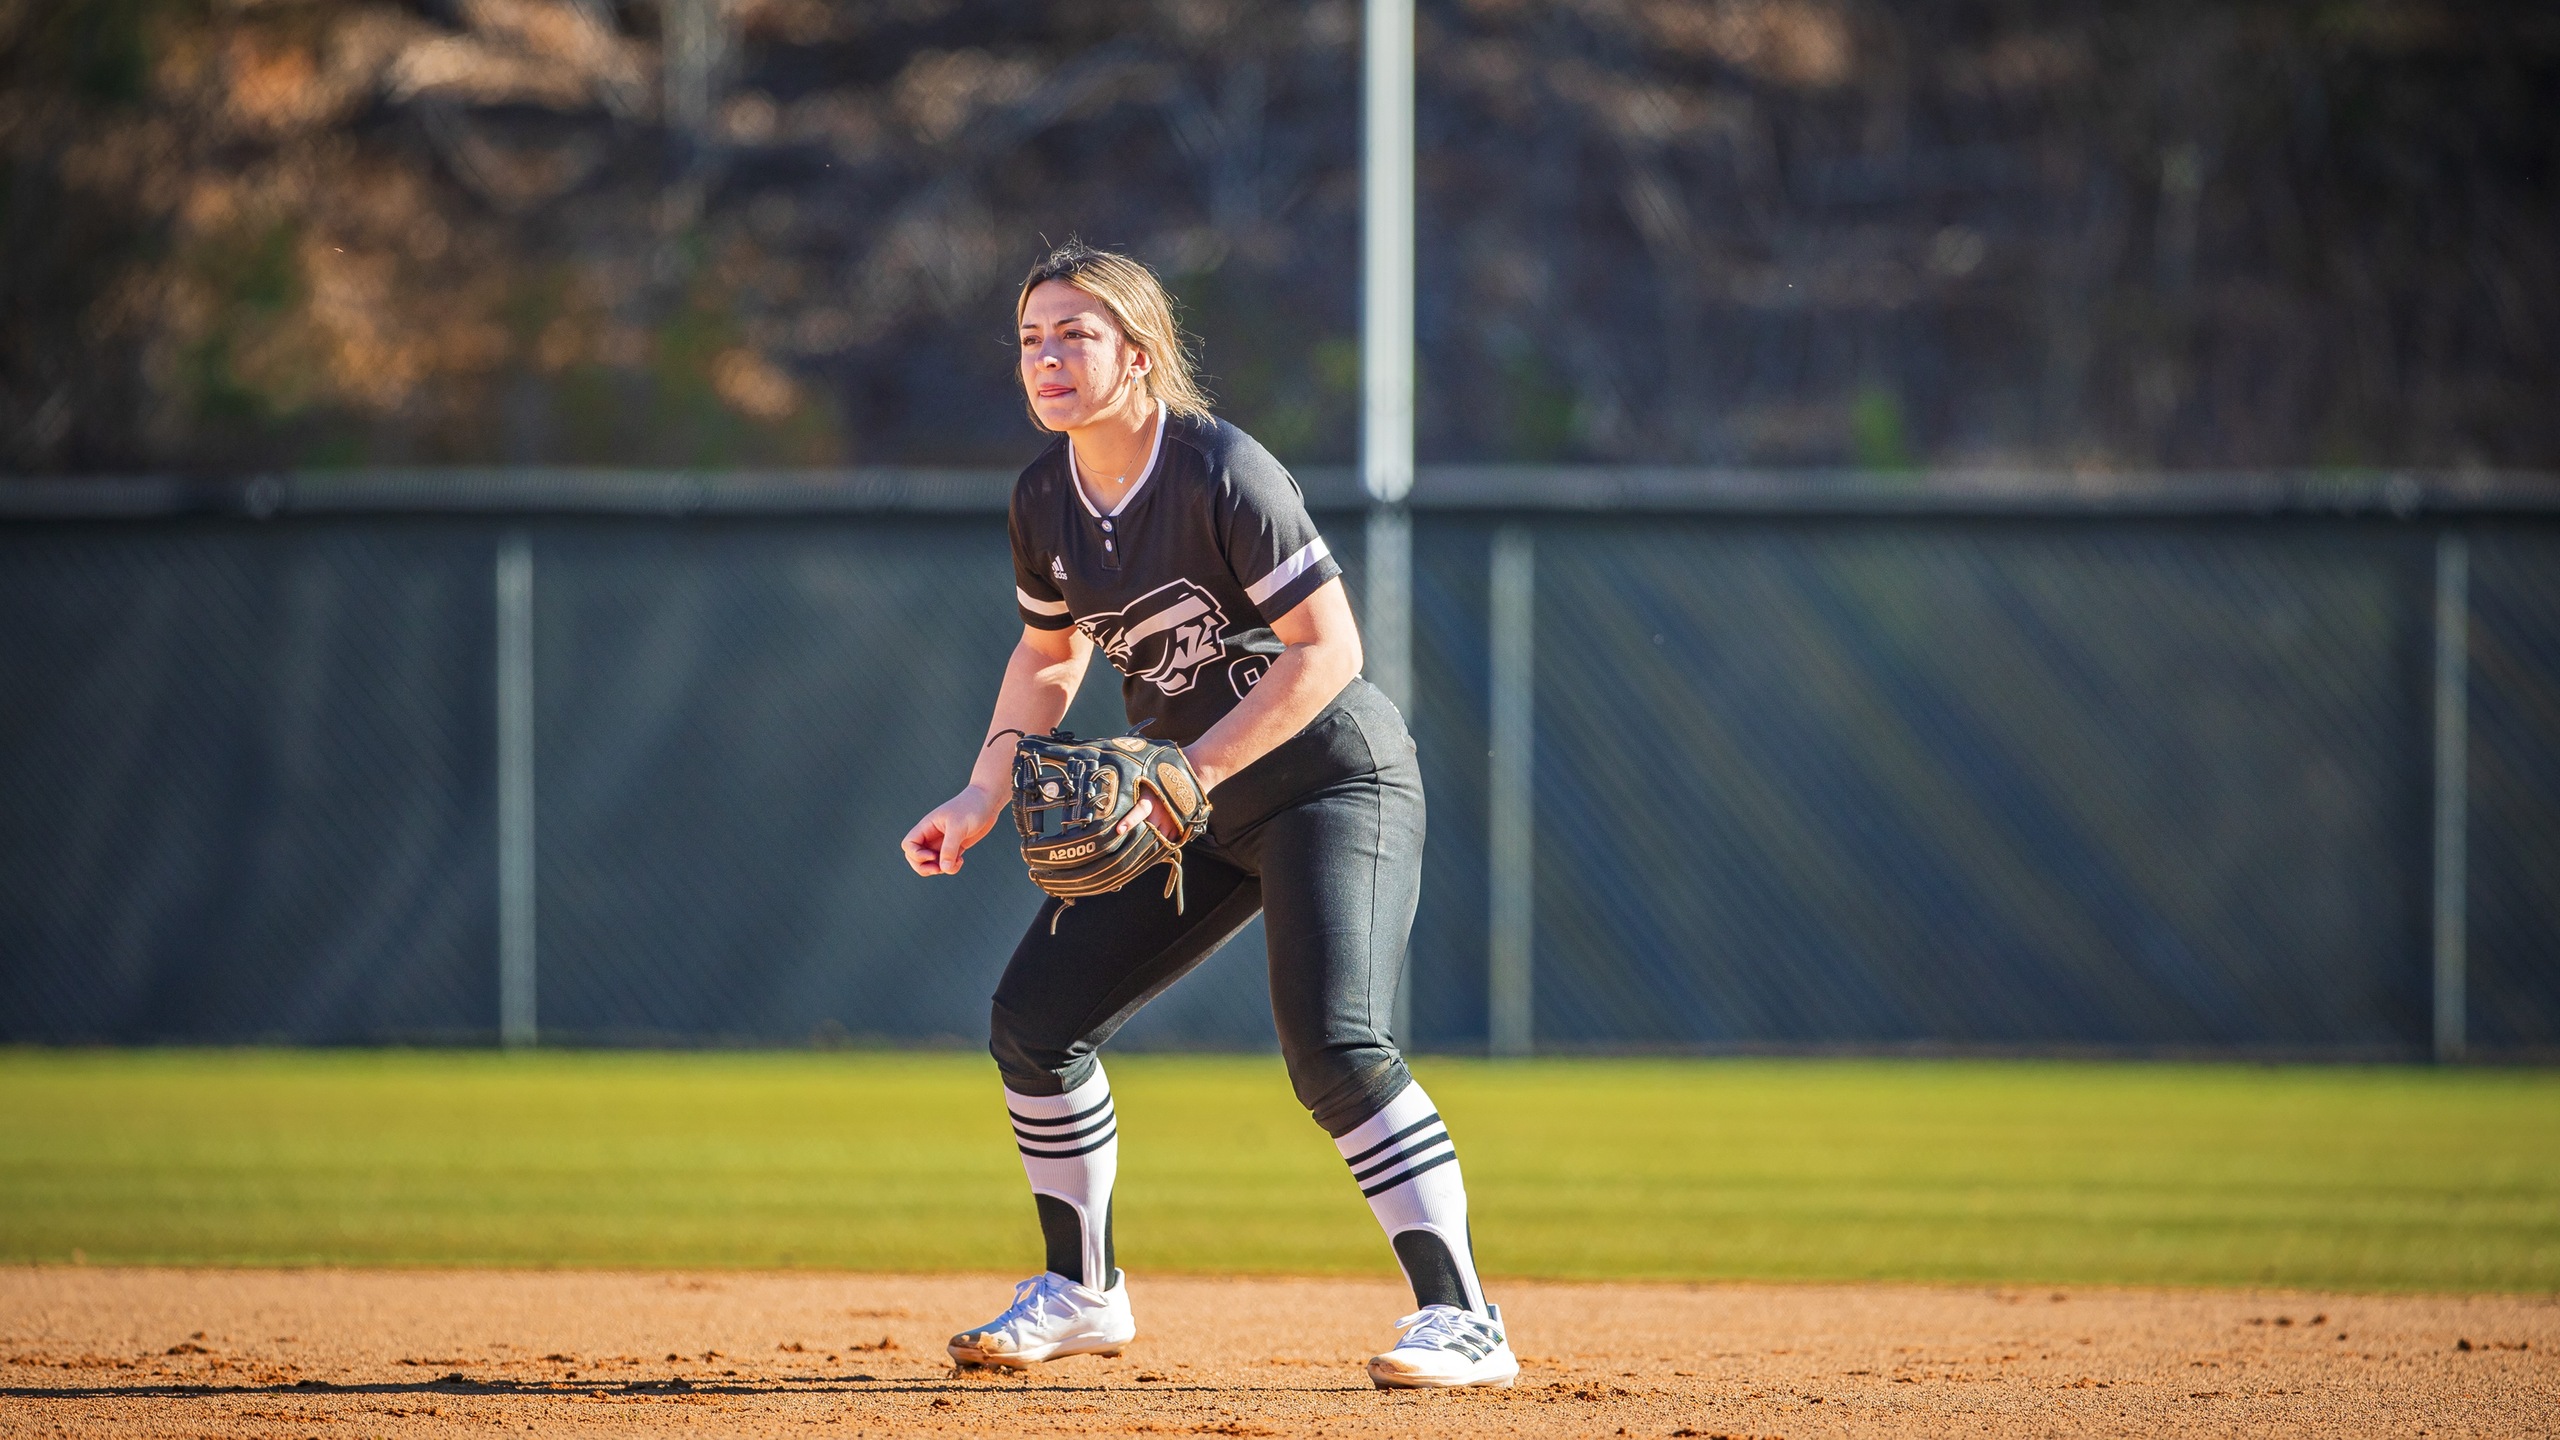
(463, 1385)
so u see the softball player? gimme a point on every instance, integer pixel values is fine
(1182, 549)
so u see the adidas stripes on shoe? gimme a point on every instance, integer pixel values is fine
(1443, 1346)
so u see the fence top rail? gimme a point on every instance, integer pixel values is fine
(1588, 489)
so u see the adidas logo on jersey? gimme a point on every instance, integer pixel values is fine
(1057, 567)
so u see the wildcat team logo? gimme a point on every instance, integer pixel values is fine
(1163, 637)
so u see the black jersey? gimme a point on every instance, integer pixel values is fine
(1179, 583)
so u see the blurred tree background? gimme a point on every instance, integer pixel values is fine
(243, 233)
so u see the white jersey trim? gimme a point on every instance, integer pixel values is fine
(1036, 605)
(1287, 570)
(1075, 475)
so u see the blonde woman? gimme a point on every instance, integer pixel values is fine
(1168, 538)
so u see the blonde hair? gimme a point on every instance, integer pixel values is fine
(1140, 307)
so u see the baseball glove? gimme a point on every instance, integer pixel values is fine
(1069, 797)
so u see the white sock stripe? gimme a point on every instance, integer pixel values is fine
(1021, 1119)
(1371, 1192)
(1061, 1137)
(1431, 1119)
(1085, 1149)
(1415, 1151)
(1050, 1144)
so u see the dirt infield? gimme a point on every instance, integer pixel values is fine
(405, 1353)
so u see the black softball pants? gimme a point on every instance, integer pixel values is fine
(1324, 837)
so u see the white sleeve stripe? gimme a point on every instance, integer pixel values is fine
(1038, 606)
(1287, 570)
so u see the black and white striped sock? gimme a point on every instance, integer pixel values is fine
(1404, 1163)
(1070, 1148)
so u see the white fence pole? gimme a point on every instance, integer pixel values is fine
(1510, 990)
(515, 791)
(1386, 627)
(1386, 254)
(2453, 793)
(1386, 364)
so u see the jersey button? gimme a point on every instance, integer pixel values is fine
(1106, 527)
(1106, 544)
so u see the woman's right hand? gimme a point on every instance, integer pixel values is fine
(934, 847)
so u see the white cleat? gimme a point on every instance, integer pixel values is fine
(1051, 1318)
(1443, 1345)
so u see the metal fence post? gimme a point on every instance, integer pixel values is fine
(1387, 626)
(1510, 990)
(2452, 793)
(515, 790)
(1386, 252)
(1386, 630)
(1386, 361)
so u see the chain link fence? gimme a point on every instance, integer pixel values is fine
(1873, 764)
(2514, 829)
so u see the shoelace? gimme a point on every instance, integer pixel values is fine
(1030, 1301)
(1434, 1326)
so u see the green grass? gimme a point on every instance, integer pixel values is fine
(2376, 1179)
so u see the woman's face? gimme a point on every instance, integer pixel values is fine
(1076, 367)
